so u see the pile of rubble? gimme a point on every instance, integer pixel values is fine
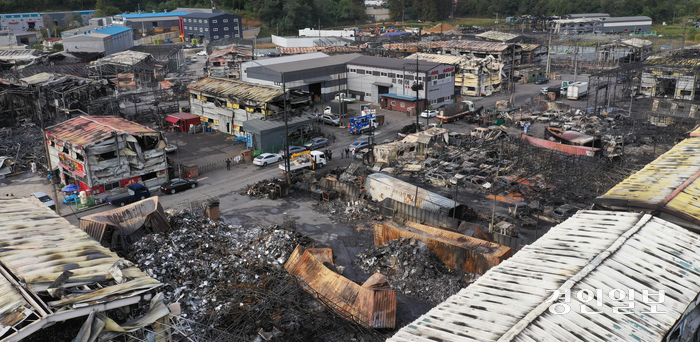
(24, 146)
(232, 278)
(264, 188)
(408, 129)
(348, 211)
(412, 269)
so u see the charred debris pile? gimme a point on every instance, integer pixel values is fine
(412, 269)
(23, 145)
(233, 278)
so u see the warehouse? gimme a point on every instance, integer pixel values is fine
(320, 74)
(149, 23)
(104, 154)
(226, 103)
(369, 78)
(546, 291)
(107, 40)
(626, 24)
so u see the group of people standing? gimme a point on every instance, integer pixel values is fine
(345, 152)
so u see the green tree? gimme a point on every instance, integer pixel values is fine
(111, 10)
(77, 18)
(57, 48)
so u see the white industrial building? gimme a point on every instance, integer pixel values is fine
(370, 78)
(307, 32)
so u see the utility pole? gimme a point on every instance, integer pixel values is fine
(549, 50)
(576, 62)
(685, 27)
(286, 132)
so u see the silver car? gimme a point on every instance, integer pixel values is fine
(330, 119)
(316, 143)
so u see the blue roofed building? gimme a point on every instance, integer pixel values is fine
(147, 24)
(107, 40)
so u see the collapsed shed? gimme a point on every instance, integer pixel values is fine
(610, 252)
(455, 250)
(119, 228)
(380, 186)
(183, 121)
(52, 271)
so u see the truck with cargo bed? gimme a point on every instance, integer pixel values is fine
(458, 111)
(305, 160)
(576, 90)
(135, 192)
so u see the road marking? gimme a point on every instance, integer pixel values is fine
(201, 179)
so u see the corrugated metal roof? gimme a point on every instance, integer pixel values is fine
(473, 45)
(529, 47)
(380, 186)
(592, 250)
(87, 130)
(38, 246)
(310, 64)
(236, 89)
(392, 63)
(692, 63)
(498, 36)
(151, 15)
(636, 42)
(435, 58)
(695, 132)
(127, 57)
(668, 183)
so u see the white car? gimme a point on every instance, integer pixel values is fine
(267, 158)
(194, 59)
(201, 53)
(429, 113)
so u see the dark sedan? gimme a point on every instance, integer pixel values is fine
(542, 80)
(178, 184)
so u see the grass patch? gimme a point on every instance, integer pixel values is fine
(483, 22)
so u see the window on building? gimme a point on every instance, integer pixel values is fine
(235, 20)
(368, 94)
(393, 103)
(433, 101)
(435, 77)
(227, 36)
(225, 20)
(206, 29)
(403, 104)
(368, 72)
(399, 76)
(155, 24)
(236, 35)
(205, 21)
(200, 21)
(111, 186)
(383, 74)
(216, 37)
(226, 28)
(420, 78)
(448, 97)
(201, 29)
(215, 29)
(214, 21)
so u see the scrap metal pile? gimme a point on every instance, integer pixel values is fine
(233, 278)
(412, 269)
(263, 188)
(24, 146)
(339, 210)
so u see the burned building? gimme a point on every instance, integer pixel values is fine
(226, 62)
(102, 155)
(473, 76)
(226, 103)
(128, 69)
(506, 54)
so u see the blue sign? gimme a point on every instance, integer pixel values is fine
(249, 139)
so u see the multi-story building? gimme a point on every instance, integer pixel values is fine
(19, 22)
(108, 40)
(383, 80)
(104, 154)
(211, 26)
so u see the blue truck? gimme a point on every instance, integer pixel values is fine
(135, 192)
(362, 124)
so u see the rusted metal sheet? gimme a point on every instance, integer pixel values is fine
(119, 228)
(568, 149)
(235, 89)
(369, 306)
(455, 250)
(87, 130)
(592, 251)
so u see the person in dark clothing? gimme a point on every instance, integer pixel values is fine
(228, 164)
(330, 155)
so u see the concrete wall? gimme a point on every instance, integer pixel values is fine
(326, 33)
(293, 41)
